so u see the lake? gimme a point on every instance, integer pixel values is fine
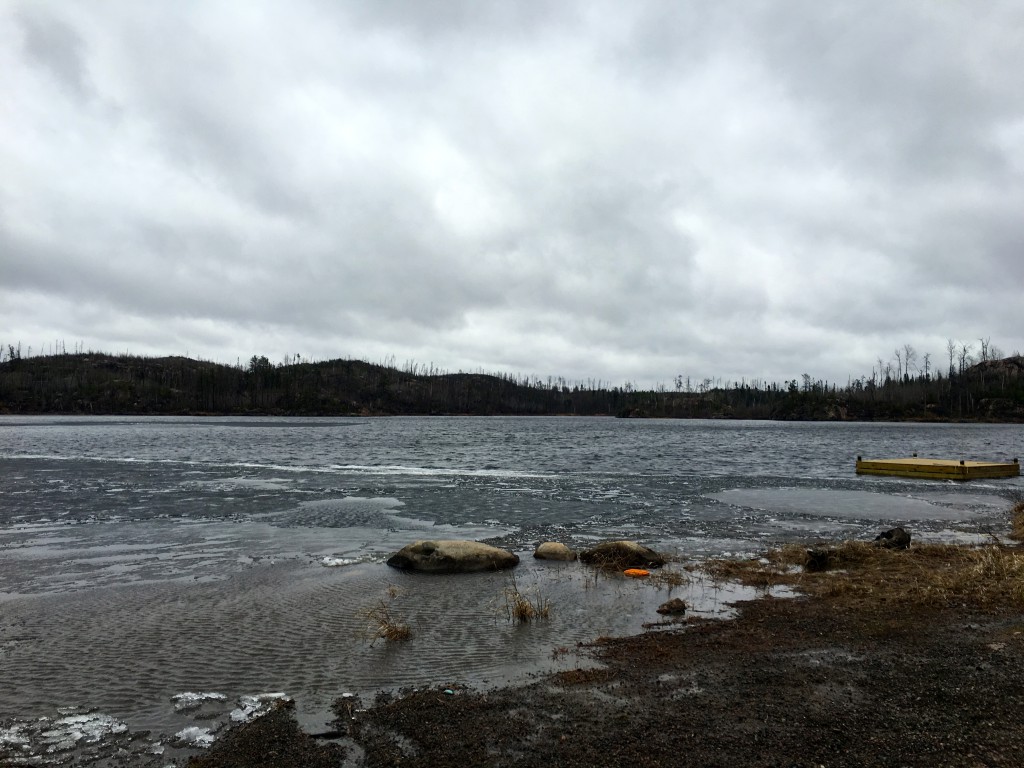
(143, 558)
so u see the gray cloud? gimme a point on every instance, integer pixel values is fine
(587, 190)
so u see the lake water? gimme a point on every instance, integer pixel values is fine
(143, 558)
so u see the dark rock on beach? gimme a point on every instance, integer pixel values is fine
(674, 607)
(820, 559)
(622, 554)
(452, 556)
(894, 538)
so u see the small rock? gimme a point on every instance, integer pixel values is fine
(553, 550)
(673, 607)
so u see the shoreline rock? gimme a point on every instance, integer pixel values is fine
(894, 538)
(622, 554)
(553, 550)
(452, 556)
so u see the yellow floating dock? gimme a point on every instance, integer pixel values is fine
(938, 469)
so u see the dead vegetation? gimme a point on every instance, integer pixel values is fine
(980, 576)
(382, 623)
(1017, 521)
(524, 608)
(668, 577)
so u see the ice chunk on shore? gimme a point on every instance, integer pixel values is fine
(65, 733)
(197, 737)
(14, 736)
(189, 700)
(251, 707)
(334, 562)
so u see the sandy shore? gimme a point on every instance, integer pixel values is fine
(909, 659)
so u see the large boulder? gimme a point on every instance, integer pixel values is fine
(622, 554)
(553, 550)
(452, 556)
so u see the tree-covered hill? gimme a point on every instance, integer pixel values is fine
(91, 383)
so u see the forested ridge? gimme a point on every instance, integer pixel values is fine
(94, 383)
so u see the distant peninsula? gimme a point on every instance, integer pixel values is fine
(95, 383)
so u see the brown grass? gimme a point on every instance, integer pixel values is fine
(384, 626)
(521, 608)
(1017, 521)
(668, 577)
(985, 576)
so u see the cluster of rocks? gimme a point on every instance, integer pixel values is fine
(458, 556)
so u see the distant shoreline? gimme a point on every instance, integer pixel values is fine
(353, 416)
(98, 384)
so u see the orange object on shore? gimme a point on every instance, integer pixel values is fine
(636, 573)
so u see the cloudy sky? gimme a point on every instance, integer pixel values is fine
(607, 190)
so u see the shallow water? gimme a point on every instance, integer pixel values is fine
(146, 557)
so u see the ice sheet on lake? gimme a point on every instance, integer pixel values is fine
(858, 505)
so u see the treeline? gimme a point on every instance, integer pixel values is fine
(92, 383)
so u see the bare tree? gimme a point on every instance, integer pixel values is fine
(983, 354)
(964, 356)
(909, 358)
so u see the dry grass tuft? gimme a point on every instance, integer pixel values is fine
(754, 573)
(384, 626)
(1017, 521)
(521, 608)
(668, 577)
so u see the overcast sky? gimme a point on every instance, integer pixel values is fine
(594, 190)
